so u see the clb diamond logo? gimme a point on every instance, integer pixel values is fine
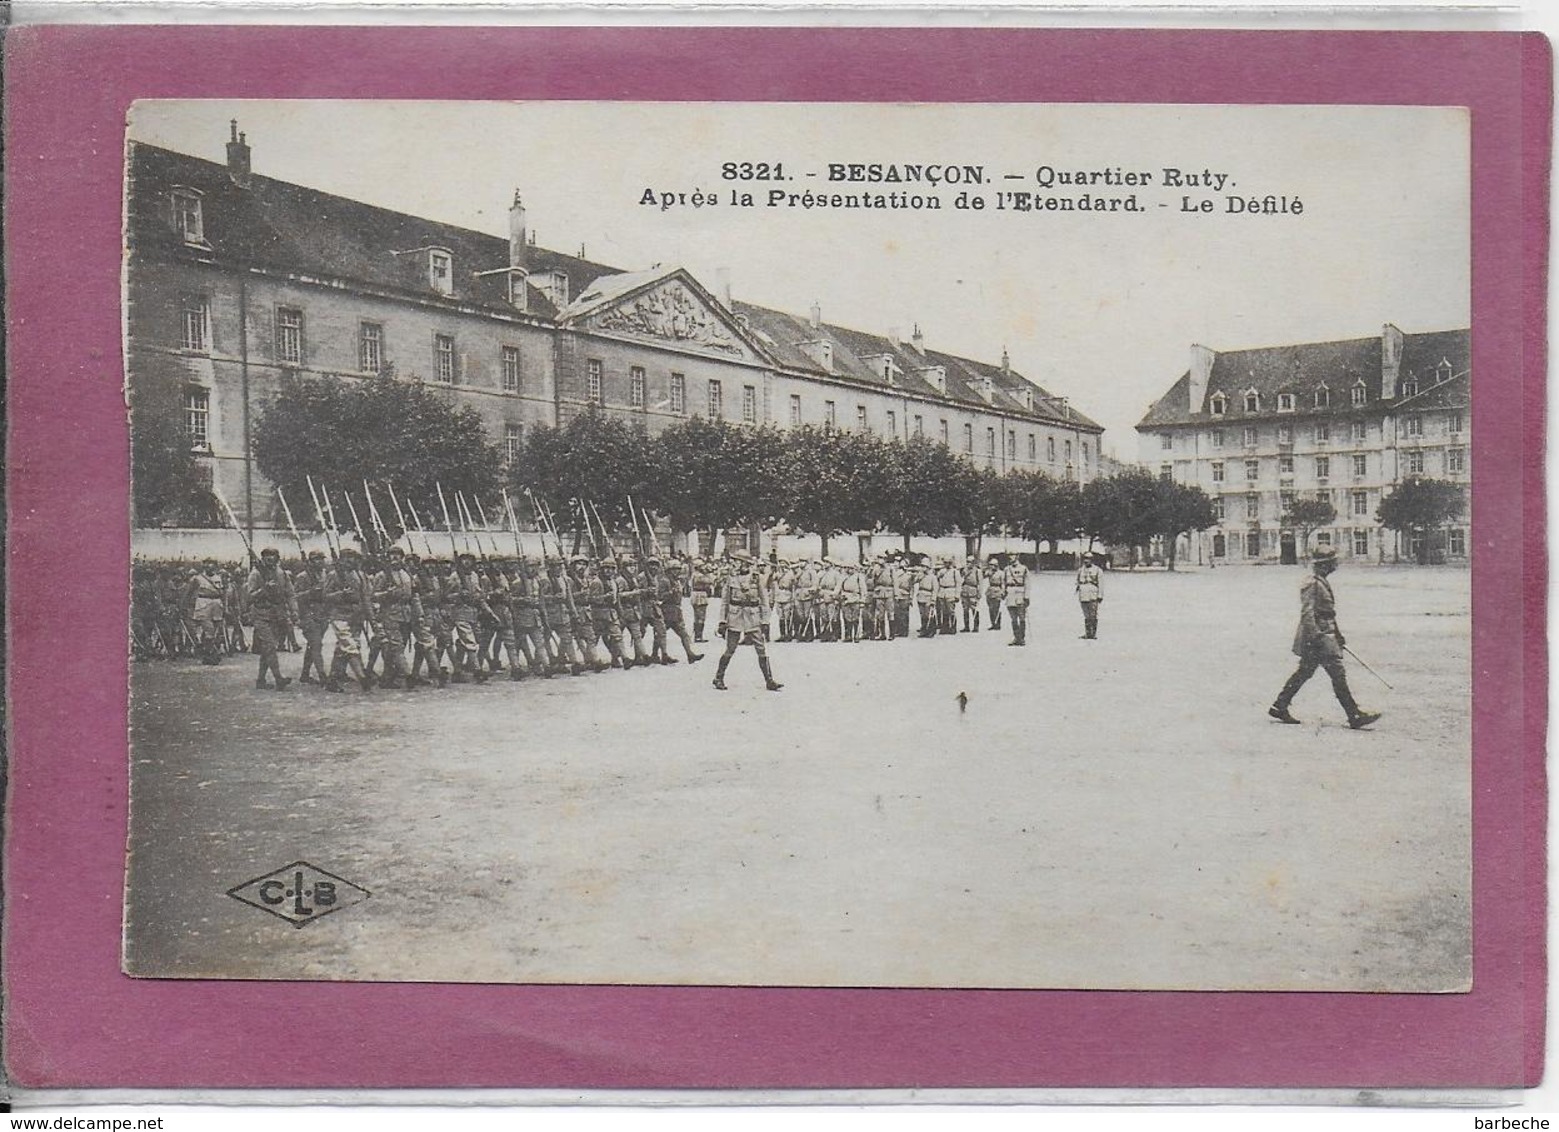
(299, 893)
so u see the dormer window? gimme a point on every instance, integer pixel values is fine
(1285, 402)
(988, 388)
(1028, 400)
(441, 271)
(821, 351)
(1360, 393)
(1220, 404)
(1443, 371)
(936, 376)
(1252, 401)
(1323, 397)
(517, 291)
(1410, 387)
(188, 221)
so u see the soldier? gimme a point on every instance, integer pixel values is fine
(651, 612)
(467, 605)
(393, 593)
(804, 598)
(555, 593)
(744, 611)
(669, 589)
(852, 602)
(606, 613)
(205, 600)
(947, 588)
(1018, 602)
(1318, 643)
(702, 583)
(925, 600)
(881, 579)
(903, 584)
(274, 607)
(995, 592)
(313, 617)
(784, 599)
(347, 599)
(830, 582)
(630, 608)
(428, 624)
(1090, 592)
(531, 623)
(969, 596)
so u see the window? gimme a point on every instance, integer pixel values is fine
(892, 426)
(1285, 434)
(510, 376)
(1253, 506)
(1012, 444)
(1413, 425)
(943, 428)
(636, 386)
(1251, 436)
(1360, 394)
(990, 442)
(517, 294)
(1050, 449)
(1323, 538)
(969, 438)
(1442, 372)
(1409, 388)
(1323, 397)
(1456, 460)
(920, 426)
(860, 421)
(1252, 401)
(1034, 448)
(196, 324)
(1285, 465)
(187, 219)
(1217, 471)
(1166, 441)
(1252, 469)
(441, 271)
(444, 359)
(1361, 543)
(197, 417)
(1361, 464)
(750, 404)
(1069, 452)
(795, 410)
(716, 401)
(1285, 402)
(1359, 430)
(1085, 453)
(678, 394)
(830, 416)
(289, 335)
(1252, 544)
(1323, 467)
(1415, 463)
(1453, 423)
(1216, 438)
(1359, 502)
(513, 441)
(593, 375)
(370, 347)
(1166, 471)
(1220, 404)
(1324, 495)
(1286, 501)
(1456, 542)
(1323, 433)
(1218, 508)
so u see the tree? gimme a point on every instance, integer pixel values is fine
(166, 480)
(403, 433)
(1040, 507)
(1122, 509)
(930, 491)
(594, 462)
(842, 481)
(1306, 515)
(1422, 506)
(1179, 509)
(713, 475)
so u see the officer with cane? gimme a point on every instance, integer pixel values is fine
(1319, 643)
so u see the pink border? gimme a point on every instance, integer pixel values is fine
(73, 1020)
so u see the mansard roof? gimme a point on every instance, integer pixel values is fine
(1302, 368)
(283, 227)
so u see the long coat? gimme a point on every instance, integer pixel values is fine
(1317, 631)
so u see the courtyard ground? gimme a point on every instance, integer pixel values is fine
(1117, 813)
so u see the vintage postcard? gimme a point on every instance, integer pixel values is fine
(674, 558)
(494, 464)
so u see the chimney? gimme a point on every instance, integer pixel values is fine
(1390, 360)
(816, 316)
(517, 243)
(1201, 371)
(918, 340)
(723, 279)
(237, 156)
(1006, 362)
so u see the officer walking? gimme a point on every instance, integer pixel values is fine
(744, 614)
(1318, 643)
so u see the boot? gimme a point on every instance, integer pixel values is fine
(769, 682)
(1362, 719)
(1281, 714)
(282, 682)
(719, 681)
(411, 683)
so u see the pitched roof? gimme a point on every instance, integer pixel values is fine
(1303, 368)
(291, 228)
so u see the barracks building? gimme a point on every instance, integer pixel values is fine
(235, 280)
(1344, 422)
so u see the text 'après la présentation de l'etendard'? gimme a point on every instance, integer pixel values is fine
(932, 186)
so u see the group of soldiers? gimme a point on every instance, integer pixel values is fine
(397, 620)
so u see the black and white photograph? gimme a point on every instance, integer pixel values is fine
(785, 544)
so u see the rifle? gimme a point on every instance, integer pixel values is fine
(253, 558)
(400, 516)
(357, 524)
(468, 525)
(319, 513)
(293, 527)
(589, 531)
(600, 522)
(330, 514)
(514, 528)
(374, 517)
(427, 543)
(486, 526)
(650, 527)
(637, 537)
(448, 523)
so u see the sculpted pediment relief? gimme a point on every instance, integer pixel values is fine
(672, 312)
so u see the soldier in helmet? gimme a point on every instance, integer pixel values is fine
(313, 617)
(969, 595)
(605, 593)
(468, 605)
(274, 607)
(556, 594)
(1018, 602)
(702, 584)
(205, 598)
(995, 592)
(744, 612)
(1090, 592)
(348, 600)
(671, 587)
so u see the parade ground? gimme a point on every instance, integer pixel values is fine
(1114, 813)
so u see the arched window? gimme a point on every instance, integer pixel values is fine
(1323, 396)
(1252, 401)
(1220, 404)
